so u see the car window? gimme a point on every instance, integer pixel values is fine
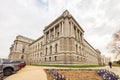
(6, 62)
(15, 62)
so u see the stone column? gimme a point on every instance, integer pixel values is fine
(82, 37)
(72, 29)
(49, 35)
(45, 37)
(54, 32)
(66, 27)
(59, 29)
(76, 34)
(79, 35)
(81, 52)
(62, 29)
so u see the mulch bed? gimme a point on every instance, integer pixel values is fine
(76, 74)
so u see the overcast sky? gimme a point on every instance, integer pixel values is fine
(99, 19)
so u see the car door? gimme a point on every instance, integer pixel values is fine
(15, 63)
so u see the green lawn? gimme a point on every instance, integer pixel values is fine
(70, 66)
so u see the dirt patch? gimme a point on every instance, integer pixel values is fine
(76, 74)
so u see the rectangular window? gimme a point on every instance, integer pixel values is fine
(45, 59)
(49, 58)
(23, 50)
(55, 58)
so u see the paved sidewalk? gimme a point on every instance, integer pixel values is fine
(29, 73)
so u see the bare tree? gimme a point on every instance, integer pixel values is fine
(114, 45)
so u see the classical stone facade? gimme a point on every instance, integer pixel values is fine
(62, 43)
(19, 50)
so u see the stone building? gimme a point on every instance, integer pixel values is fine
(105, 60)
(62, 43)
(19, 50)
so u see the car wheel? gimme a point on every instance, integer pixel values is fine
(7, 72)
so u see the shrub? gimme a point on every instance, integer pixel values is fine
(118, 62)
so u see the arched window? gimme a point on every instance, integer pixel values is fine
(37, 54)
(56, 47)
(50, 49)
(16, 45)
(81, 36)
(84, 59)
(55, 58)
(49, 58)
(77, 58)
(80, 49)
(39, 60)
(81, 58)
(57, 34)
(40, 53)
(45, 58)
(38, 46)
(41, 44)
(76, 48)
(22, 57)
(23, 50)
(46, 50)
(75, 31)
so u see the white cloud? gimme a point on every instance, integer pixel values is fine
(99, 18)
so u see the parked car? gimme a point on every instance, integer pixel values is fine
(23, 64)
(17, 62)
(1, 70)
(8, 67)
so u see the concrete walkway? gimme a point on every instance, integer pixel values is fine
(29, 73)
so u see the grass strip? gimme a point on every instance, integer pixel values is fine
(70, 66)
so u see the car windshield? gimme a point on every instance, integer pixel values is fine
(5, 61)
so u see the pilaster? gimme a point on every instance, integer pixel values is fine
(66, 26)
(59, 29)
(62, 28)
(49, 35)
(72, 30)
(54, 33)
